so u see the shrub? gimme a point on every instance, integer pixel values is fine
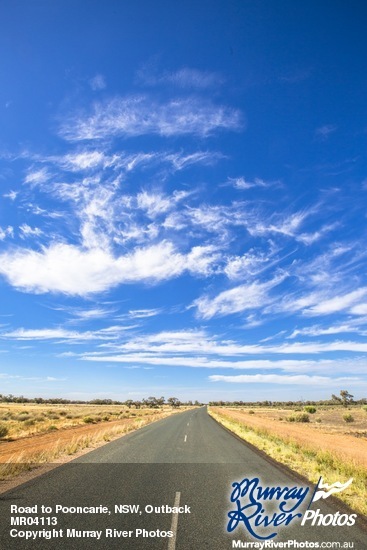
(52, 428)
(348, 417)
(88, 420)
(22, 417)
(4, 430)
(310, 409)
(302, 417)
(251, 412)
(30, 422)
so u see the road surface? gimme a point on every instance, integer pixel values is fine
(171, 477)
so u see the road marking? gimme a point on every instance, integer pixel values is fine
(185, 438)
(188, 423)
(172, 540)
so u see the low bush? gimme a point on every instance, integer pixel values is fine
(348, 417)
(4, 430)
(22, 417)
(310, 409)
(30, 422)
(302, 417)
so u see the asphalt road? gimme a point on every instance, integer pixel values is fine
(186, 460)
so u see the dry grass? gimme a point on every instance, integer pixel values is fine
(91, 426)
(330, 449)
(24, 420)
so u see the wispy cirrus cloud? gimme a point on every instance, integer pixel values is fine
(12, 195)
(324, 132)
(86, 315)
(337, 303)
(37, 176)
(282, 379)
(238, 299)
(144, 313)
(244, 184)
(310, 238)
(28, 231)
(97, 83)
(6, 232)
(139, 115)
(357, 326)
(287, 225)
(109, 333)
(186, 77)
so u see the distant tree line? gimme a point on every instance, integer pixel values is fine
(344, 400)
(150, 402)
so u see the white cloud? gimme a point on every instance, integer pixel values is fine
(248, 296)
(192, 78)
(310, 238)
(97, 82)
(7, 232)
(28, 231)
(71, 270)
(183, 78)
(323, 132)
(109, 333)
(144, 313)
(243, 184)
(317, 347)
(359, 309)
(337, 303)
(84, 160)
(134, 116)
(37, 177)
(89, 314)
(318, 330)
(287, 225)
(202, 260)
(153, 203)
(249, 264)
(198, 342)
(196, 358)
(180, 161)
(12, 195)
(281, 379)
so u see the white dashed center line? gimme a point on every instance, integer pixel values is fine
(172, 540)
(185, 438)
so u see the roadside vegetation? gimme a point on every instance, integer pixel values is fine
(68, 443)
(313, 443)
(19, 421)
(35, 432)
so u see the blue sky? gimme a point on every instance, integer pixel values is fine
(183, 195)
